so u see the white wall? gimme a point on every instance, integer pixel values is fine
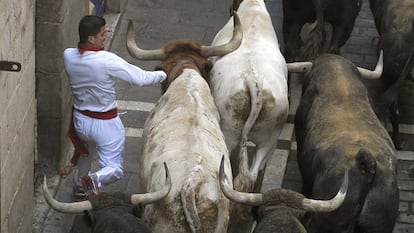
(17, 115)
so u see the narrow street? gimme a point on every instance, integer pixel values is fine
(160, 21)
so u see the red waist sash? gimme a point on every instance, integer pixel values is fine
(100, 115)
(80, 148)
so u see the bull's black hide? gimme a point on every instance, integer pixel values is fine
(394, 21)
(335, 22)
(278, 217)
(111, 213)
(336, 129)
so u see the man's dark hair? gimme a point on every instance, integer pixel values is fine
(90, 25)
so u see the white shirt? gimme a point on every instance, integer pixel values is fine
(91, 78)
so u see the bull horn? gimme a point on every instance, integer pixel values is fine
(236, 196)
(375, 74)
(327, 205)
(299, 67)
(137, 52)
(71, 208)
(233, 44)
(147, 198)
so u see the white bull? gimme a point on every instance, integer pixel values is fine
(183, 130)
(250, 89)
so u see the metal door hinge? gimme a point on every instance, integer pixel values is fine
(10, 66)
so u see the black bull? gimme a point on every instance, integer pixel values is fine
(335, 22)
(336, 130)
(394, 21)
(281, 210)
(111, 212)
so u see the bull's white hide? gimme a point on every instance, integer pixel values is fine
(183, 130)
(257, 65)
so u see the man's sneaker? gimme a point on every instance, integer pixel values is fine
(80, 194)
(89, 184)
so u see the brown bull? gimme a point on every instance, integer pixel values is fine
(183, 130)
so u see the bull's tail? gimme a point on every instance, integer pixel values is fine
(367, 169)
(211, 210)
(255, 87)
(316, 37)
(188, 193)
(367, 165)
(245, 180)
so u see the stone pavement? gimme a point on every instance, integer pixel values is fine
(159, 21)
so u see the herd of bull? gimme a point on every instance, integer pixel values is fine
(195, 169)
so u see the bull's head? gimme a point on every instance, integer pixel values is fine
(80, 207)
(302, 67)
(180, 54)
(287, 197)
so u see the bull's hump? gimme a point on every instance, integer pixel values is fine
(356, 121)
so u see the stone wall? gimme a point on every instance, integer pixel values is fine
(17, 115)
(56, 29)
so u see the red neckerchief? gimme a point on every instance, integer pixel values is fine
(83, 48)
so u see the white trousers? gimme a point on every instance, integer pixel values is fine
(104, 138)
